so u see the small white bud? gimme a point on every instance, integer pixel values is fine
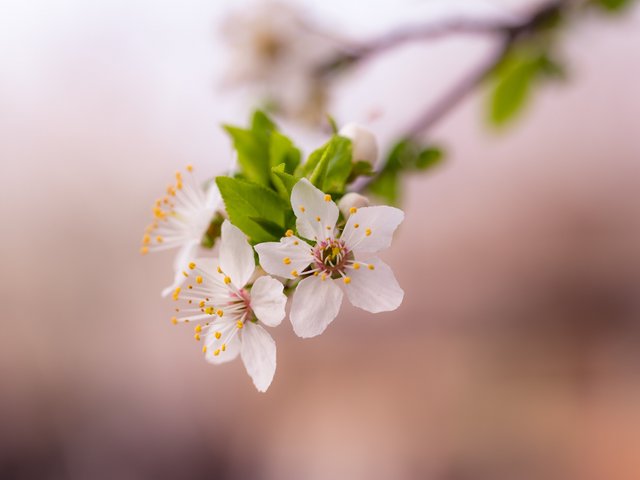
(352, 200)
(364, 144)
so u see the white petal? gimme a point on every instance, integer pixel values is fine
(315, 304)
(236, 255)
(370, 229)
(232, 346)
(258, 353)
(186, 253)
(316, 216)
(363, 142)
(268, 300)
(374, 290)
(213, 199)
(283, 257)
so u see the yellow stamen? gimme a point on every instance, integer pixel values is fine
(356, 225)
(239, 324)
(327, 198)
(216, 352)
(192, 266)
(144, 250)
(185, 273)
(371, 267)
(198, 279)
(289, 233)
(219, 270)
(227, 280)
(296, 242)
(318, 219)
(218, 335)
(198, 329)
(347, 280)
(204, 349)
(197, 337)
(189, 168)
(176, 292)
(294, 273)
(367, 232)
(323, 277)
(209, 311)
(302, 209)
(174, 320)
(356, 266)
(220, 313)
(353, 210)
(286, 260)
(146, 239)
(224, 347)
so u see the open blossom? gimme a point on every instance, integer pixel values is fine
(229, 313)
(277, 52)
(335, 262)
(181, 218)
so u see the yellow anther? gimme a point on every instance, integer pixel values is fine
(327, 198)
(223, 347)
(296, 242)
(198, 329)
(216, 352)
(294, 273)
(198, 279)
(288, 233)
(347, 280)
(178, 175)
(227, 280)
(146, 239)
(315, 274)
(204, 349)
(353, 210)
(328, 227)
(174, 320)
(367, 232)
(176, 292)
(220, 313)
(179, 185)
(218, 335)
(239, 324)
(202, 304)
(323, 277)
(209, 311)
(189, 168)
(318, 219)
(356, 266)
(219, 270)
(197, 337)
(302, 209)
(190, 287)
(185, 273)
(356, 225)
(159, 239)
(286, 260)
(144, 250)
(371, 266)
(192, 266)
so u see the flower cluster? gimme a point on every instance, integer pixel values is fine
(282, 212)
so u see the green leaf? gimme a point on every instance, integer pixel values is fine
(386, 186)
(361, 168)
(245, 202)
(283, 181)
(513, 80)
(612, 5)
(282, 150)
(429, 157)
(253, 154)
(328, 168)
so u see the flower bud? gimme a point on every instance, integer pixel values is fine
(363, 142)
(350, 201)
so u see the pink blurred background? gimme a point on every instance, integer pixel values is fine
(514, 356)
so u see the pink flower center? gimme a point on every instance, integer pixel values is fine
(331, 256)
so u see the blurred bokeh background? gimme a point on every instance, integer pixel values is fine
(514, 356)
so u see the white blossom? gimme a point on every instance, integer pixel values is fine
(229, 312)
(363, 143)
(351, 201)
(180, 220)
(335, 263)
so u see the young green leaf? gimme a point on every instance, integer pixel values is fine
(246, 202)
(283, 181)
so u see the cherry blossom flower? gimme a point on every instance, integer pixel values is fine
(181, 218)
(363, 143)
(334, 263)
(229, 312)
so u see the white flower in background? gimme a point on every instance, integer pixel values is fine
(181, 218)
(228, 312)
(363, 143)
(336, 263)
(276, 51)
